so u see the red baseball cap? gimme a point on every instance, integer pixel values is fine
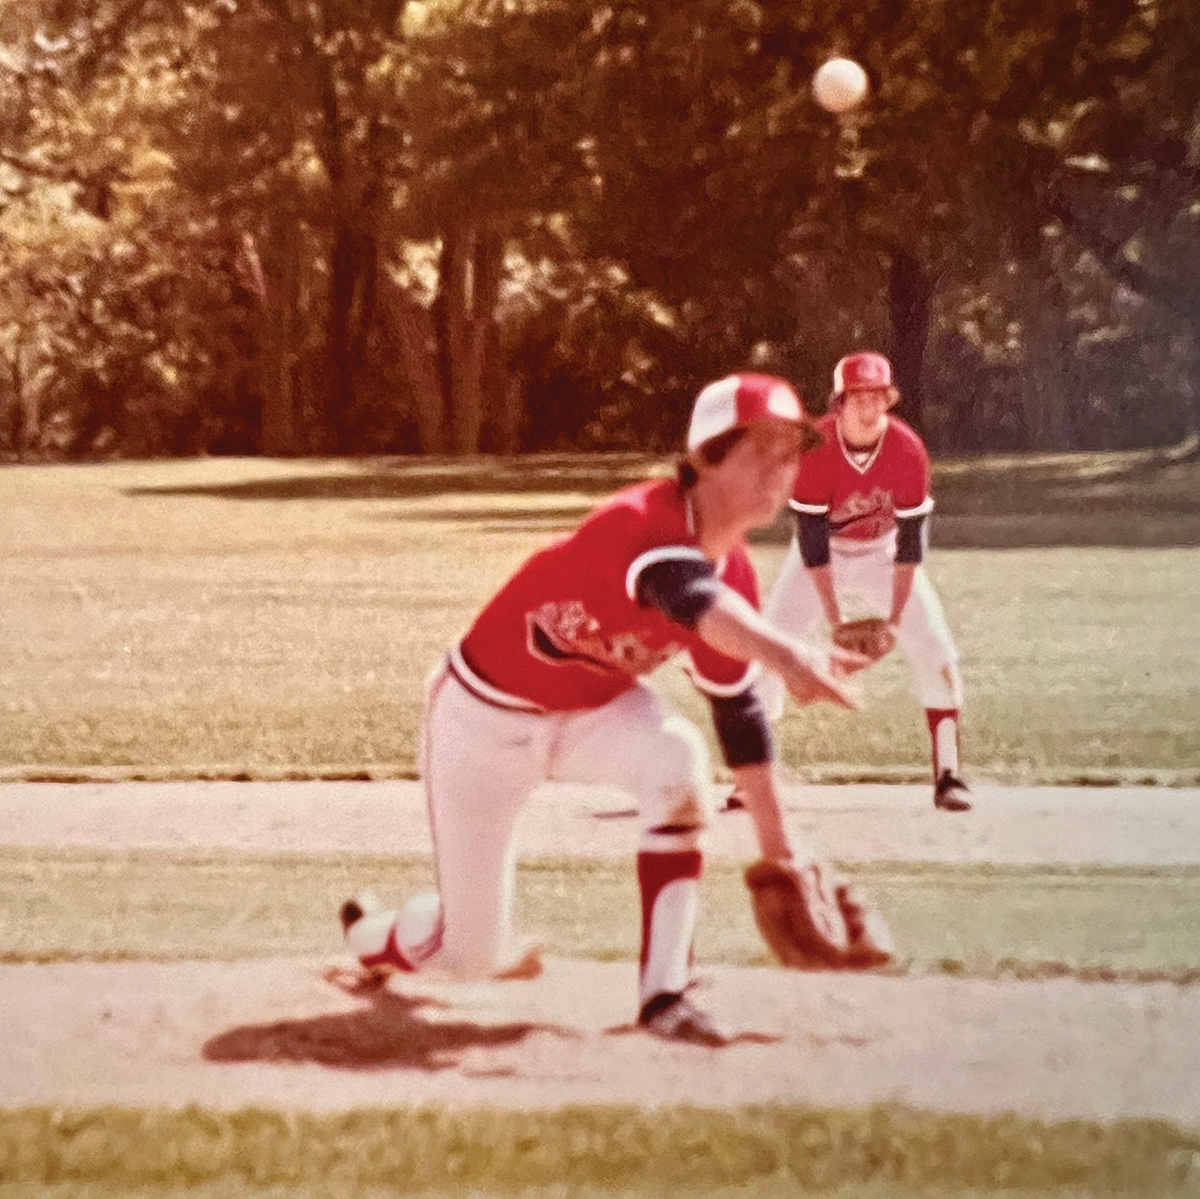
(864, 371)
(739, 399)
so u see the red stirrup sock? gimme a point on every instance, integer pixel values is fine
(670, 888)
(943, 736)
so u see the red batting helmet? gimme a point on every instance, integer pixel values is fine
(863, 371)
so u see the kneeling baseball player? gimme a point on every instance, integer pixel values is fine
(545, 686)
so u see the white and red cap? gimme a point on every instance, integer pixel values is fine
(864, 371)
(739, 399)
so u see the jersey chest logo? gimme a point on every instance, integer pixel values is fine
(871, 514)
(561, 632)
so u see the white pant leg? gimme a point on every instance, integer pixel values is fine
(640, 743)
(794, 607)
(925, 640)
(480, 764)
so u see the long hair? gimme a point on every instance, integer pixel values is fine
(712, 453)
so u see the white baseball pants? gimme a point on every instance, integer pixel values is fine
(863, 571)
(481, 763)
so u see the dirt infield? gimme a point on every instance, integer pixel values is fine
(1142, 826)
(276, 1033)
(293, 1033)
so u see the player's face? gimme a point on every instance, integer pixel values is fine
(864, 415)
(758, 474)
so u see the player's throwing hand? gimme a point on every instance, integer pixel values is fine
(814, 677)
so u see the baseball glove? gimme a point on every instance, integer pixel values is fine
(872, 637)
(798, 915)
(869, 936)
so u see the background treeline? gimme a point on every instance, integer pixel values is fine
(383, 226)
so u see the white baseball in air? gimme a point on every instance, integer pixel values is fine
(839, 85)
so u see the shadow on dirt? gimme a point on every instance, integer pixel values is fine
(388, 1034)
(416, 478)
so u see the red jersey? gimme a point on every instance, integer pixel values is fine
(567, 631)
(861, 495)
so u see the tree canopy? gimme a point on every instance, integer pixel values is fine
(356, 226)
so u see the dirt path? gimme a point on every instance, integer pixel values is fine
(276, 1033)
(279, 1033)
(1119, 826)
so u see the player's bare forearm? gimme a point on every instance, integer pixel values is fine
(756, 787)
(736, 628)
(902, 585)
(822, 579)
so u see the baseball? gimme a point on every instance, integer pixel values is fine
(839, 85)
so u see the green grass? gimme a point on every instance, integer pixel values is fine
(1146, 1186)
(277, 618)
(984, 921)
(263, 617)
(979, 921)
(881, 1152)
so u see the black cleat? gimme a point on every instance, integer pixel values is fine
(351, 913)
(676, 1018)
(951, 794)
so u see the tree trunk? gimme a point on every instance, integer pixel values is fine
(411, 328)
(1047, 388)
(277, 382)
(339, 397)
(14, 411)
(462, 340)
(28, 387)
(510, 413)
(472, 264)
(910, 291)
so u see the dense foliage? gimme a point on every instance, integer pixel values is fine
(334, 226)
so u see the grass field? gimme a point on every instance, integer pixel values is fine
(762, 1153)
(1088, 922)
(586, 1154)
(267, 617)
(276, 619)
(1097, 925)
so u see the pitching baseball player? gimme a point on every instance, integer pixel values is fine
(861, 504)
(546, 686)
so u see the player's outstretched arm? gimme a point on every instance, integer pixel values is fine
(822, 580)
(734, 627)
(809, 916)
(756, 786)
(902, 585)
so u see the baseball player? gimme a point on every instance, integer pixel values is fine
(861, 504)
(546, 686)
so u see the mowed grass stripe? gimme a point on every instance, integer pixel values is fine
(605, 1150)
(268, 617)
(976, 921)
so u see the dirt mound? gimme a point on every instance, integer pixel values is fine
(292, 1033)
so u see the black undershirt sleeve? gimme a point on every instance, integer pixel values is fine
(812, 533)
(742, 729)
(912, 536)
(682, 589)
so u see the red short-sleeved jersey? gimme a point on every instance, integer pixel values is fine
(567, 632)
(862, 499)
